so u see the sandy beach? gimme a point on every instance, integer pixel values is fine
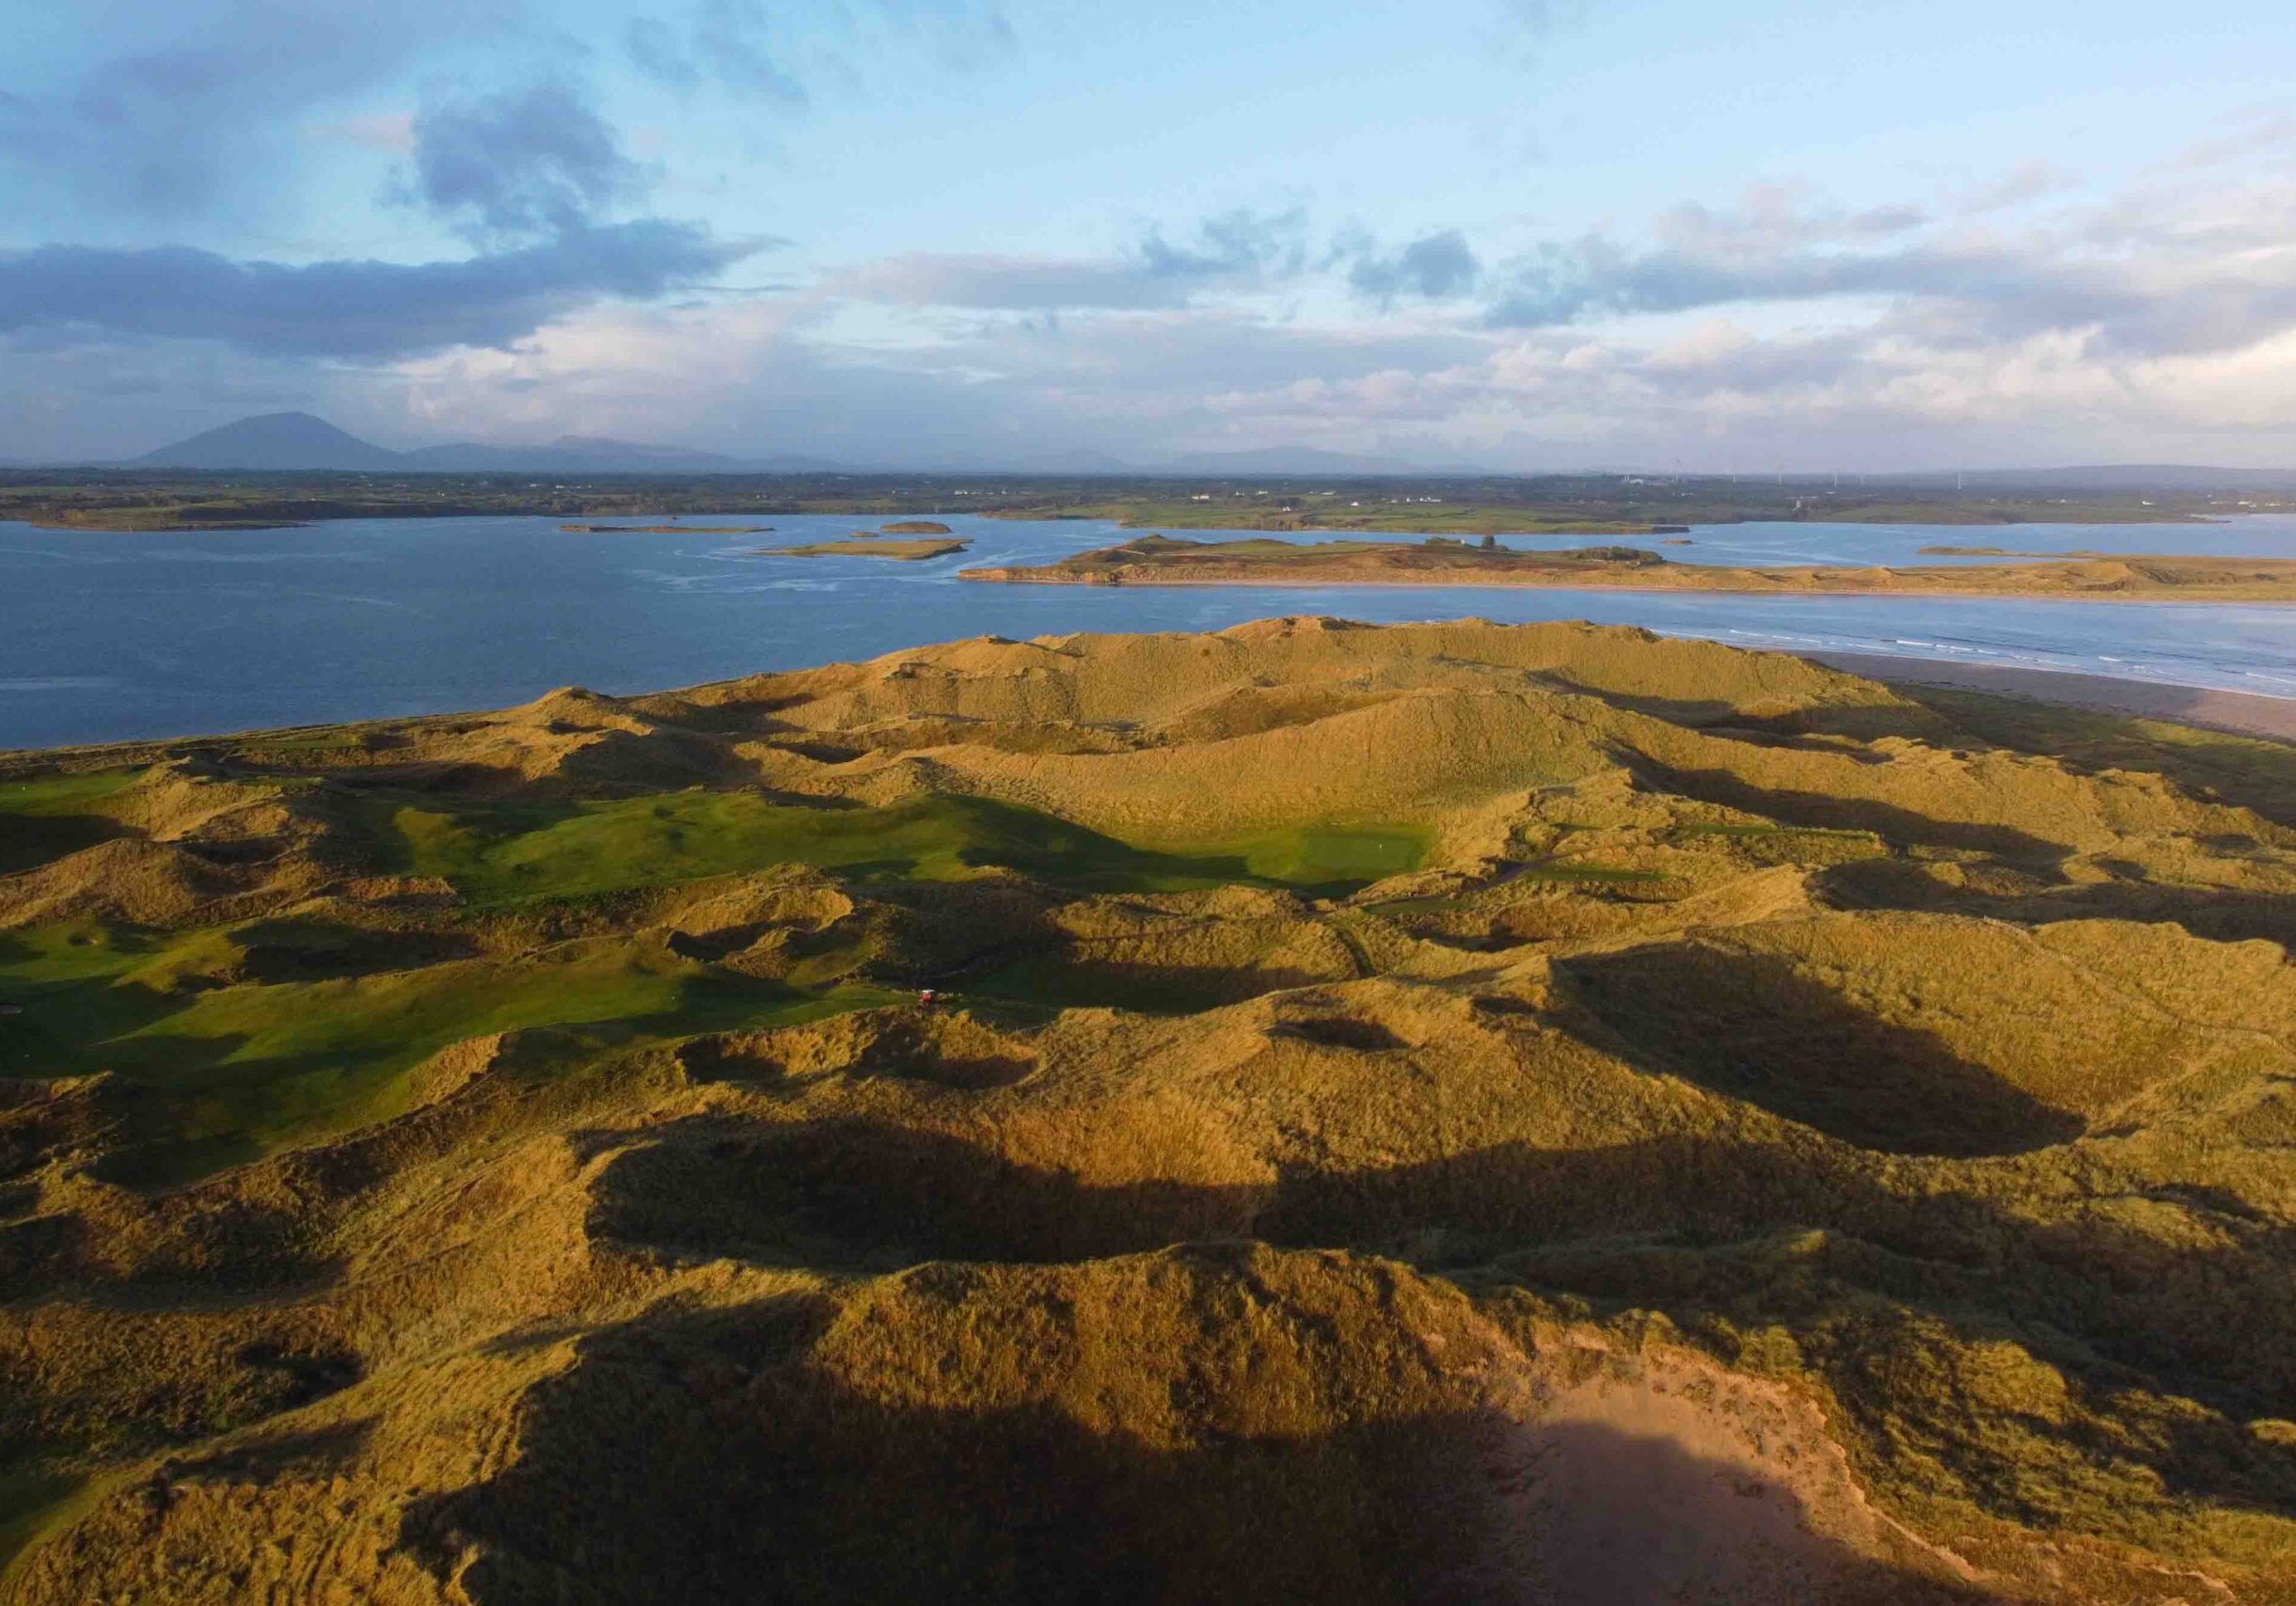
(2242, 713)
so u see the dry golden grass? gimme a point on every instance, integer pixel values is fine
(1441, 1112)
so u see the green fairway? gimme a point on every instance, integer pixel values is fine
(1330, 858)
(253, 1067)
(56, 814)
(512, 853)
(253, 1061)
(64, 794)
(32, 1500)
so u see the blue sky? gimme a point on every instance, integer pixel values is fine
(1529, 233)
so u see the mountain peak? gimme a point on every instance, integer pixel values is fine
(277, 442)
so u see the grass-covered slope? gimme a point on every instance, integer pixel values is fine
(1446, 1113)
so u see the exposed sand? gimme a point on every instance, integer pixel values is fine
(1661, 1478)
(2240, 712)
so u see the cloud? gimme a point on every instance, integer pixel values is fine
(2026, 181)
(1434, 267)
(1235, 250)
(2260, 132)
(173, 102)
(1542, 16)
(1768, 219)
(1880, 335)
(1006, 284)
(1521, 28)
(2148, 277)
(1236, 245)
(725, 42)
(393, 131)
(734, 45)
(520, 163)
(363, 312)
(1133, 382)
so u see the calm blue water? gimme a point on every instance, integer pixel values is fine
(108, 636)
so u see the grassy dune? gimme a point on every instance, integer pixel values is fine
(1434, 1112)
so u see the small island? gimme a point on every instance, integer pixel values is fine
(915, 527)
(665, 529)
(901, 551)
(1164, 560)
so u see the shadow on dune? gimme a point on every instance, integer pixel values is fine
(1807, 729)
(29, 841)
(1824, 811)
(1753, 1027)
(1642, 1222)
(710, 1459)
(1048, 979)
(2253, 772)
(866, 1193)
(2223, 914)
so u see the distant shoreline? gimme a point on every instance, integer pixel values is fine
(1595, 580)
(2242, 713)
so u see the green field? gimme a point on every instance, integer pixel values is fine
(250, 1068)
(1472, 504)
(250, 1064)
(514, 853)
(55, 815)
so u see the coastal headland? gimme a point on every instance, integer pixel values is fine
(1163, 560)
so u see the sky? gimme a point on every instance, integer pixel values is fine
(1525, 234)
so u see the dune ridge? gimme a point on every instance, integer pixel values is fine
(1446, 1112)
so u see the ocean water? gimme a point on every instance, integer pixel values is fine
(105, 637)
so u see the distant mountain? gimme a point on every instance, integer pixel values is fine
(288, 442)
(285, 443)
(668, 459)
(797, 463)
(571, 454)
(276, 441)
(292, 441)
(1076, 461)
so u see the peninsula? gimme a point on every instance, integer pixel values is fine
(1163, 560)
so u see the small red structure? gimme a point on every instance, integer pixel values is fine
(927, 1000)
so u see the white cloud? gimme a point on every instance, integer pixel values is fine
(390, 132)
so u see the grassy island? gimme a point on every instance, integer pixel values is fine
(1162, 559)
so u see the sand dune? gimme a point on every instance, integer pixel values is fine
(1446, 1112)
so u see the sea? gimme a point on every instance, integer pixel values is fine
(107, 637)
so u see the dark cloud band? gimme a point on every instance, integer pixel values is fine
(358, 310)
